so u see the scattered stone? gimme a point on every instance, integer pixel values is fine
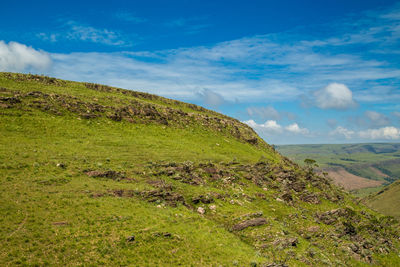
(171, 198)
(60, 223)
(201, 210)
(276, 265)
(130, 238)
(162, 234)
(310, 198)
(330, 217)
(213, 207)
(10, 100)
(287, 197)
(313, 229)
(286, 242)
(61, 165)
(249, 223)
(260, 195)
(205, 199)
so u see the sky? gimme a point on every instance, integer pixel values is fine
(298, 72)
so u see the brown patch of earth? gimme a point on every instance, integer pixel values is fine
(350, 181)
(378, 172)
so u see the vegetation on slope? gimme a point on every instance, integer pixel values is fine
(386, 201)
(98, 175)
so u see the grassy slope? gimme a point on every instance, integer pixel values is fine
(386, 201)
(51, 215)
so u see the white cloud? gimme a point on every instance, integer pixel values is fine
(16, 57)
(51, 37)
(294, 128)
(272, 127)
(386, 133)
(91, 34)
(335, 96)
(72, 30)
(341, 131)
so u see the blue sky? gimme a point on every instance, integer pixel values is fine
(295, 71)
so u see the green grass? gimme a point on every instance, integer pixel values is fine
(54, 214)
(386, 200)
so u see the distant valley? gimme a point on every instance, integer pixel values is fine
(360, 168)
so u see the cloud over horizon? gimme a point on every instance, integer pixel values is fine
(16, 57)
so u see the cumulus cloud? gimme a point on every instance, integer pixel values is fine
(341, 131)
(384, 133)
(334, 96)
(16, 57)
(269, 126)
(272, 127)
(211, 98)
(294, 128)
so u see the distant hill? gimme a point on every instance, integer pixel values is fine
(101, 176)
(375, 161)
(386, 201)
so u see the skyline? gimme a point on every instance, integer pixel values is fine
(327, 75)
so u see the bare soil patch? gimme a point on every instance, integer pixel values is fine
(350, 181)
(378, 172)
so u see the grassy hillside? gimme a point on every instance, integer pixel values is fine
(95, 175)
(386, 201)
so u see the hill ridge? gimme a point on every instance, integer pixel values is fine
(87, 181)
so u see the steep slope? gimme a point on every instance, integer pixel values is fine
(95, 175)
(386, 201)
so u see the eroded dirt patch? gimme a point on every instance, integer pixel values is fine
(350, 181)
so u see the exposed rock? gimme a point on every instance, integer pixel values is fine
(287, 197)
(60, 223)
(130, 238)
(313, 229)
(249, 223)
(10, 100)
(106, 174)
(298, 186)
(171, 198)
(330, 217)
(286, 242)
(205, 199)
(201, 210)
(310, 198)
